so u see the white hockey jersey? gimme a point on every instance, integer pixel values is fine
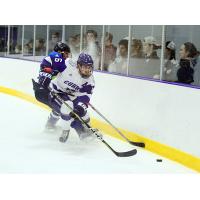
(70, 82)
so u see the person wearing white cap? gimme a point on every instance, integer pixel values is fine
(149, 47)
(152, 62)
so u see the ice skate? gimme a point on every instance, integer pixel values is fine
(51, 123)
(87, 134)
(65, 134)
(49, 126)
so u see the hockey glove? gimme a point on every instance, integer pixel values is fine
(44, 79)
(80, 109)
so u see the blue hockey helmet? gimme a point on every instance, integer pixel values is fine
(85, 59)
(85, 65)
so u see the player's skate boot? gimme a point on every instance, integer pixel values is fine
(51, 123)
(65, 134)
(87, 134)
(83, 131)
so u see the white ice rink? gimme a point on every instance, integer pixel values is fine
(25, 147)
(34, 165)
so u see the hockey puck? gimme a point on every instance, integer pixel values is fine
(159, 160)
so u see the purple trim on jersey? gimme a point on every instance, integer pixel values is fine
(86, 88)
(55, 87)
(84, 99)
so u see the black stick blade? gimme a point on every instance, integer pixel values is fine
(126, 154)
(138, 144)
(120, 154)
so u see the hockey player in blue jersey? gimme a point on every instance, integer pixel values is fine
(73, 82)
(49, 68)
(74, 85)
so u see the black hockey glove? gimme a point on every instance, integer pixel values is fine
(41, 94)
(44, 79)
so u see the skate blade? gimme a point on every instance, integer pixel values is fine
(64, 137)
(62, 140)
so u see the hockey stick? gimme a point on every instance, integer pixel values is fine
(119, 154)
(138, 144)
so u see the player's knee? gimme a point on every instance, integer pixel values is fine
(64, 109)
(65, 117)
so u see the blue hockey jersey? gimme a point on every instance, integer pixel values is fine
(55, 61)
(50, 66)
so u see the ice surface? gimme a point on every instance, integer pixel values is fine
(25, 147)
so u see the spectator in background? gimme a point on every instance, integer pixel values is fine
(28, 48)
(196, 76)
(55, 37)
(110, 51)
(137, 49)
(77, 42)
(12, 46)
(18, 49)
(74, 44)
(40, 49)
(150, 48)
(170, 63)
(120, 63)
(188, 54)
(2, 45)
(92, 47)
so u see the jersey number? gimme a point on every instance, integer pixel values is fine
(58, 59)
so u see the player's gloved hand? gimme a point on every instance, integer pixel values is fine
(80, 109)
(44, 79)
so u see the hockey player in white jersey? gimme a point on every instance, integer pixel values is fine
(75, 86)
